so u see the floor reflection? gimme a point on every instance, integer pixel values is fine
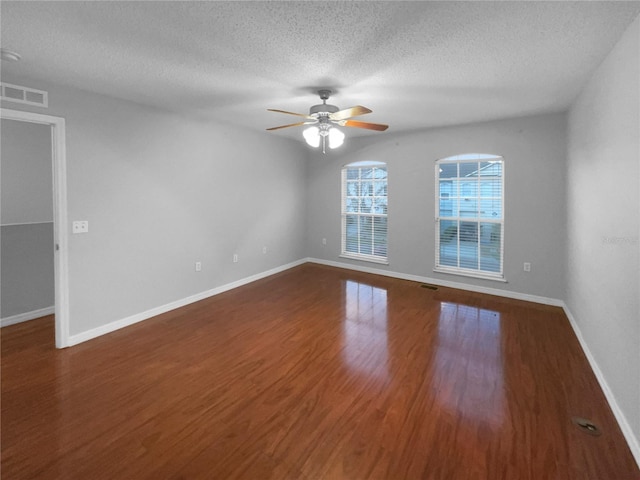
(365, 329)
(468, 349)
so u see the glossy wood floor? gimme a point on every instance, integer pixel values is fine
(315, 373)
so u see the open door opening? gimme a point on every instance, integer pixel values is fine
(59, 184)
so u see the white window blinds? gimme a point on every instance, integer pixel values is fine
(364, 211)
(470, 215)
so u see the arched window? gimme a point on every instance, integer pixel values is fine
(470, 215)
(364, 211)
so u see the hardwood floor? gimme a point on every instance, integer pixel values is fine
(314, 373)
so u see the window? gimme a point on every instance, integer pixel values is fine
(470, 215)
(364, 211)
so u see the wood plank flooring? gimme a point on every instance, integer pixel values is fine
(314, 373)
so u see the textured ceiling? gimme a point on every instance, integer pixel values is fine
(415, 64)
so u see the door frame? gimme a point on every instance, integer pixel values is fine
(60, 234)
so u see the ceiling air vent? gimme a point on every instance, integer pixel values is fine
(18, 94)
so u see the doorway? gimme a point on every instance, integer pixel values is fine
(59, 182)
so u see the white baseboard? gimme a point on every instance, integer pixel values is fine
(139, 317)
(25, 317)
(632, 441)
(443, 283)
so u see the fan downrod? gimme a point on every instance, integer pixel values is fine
(323, 109)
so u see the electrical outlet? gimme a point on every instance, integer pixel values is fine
(235, 258)
(198, 266)
(527, 267)
(324, 241)
(264, 250)
(80, 226)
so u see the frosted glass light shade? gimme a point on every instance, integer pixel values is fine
(312, 136)
(336, 138)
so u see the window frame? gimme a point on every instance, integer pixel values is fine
(465, 271)
(380, 259)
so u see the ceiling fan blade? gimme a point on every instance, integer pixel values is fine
(369, 126)
(290, 125)
(289, 113)
(349, 112)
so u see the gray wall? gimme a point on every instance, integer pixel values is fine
(27, 268)
(534, 151)
(26, 190)
(162, 191)
(603, 221)
(26, 234)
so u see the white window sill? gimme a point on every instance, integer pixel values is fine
(495, 278)
(366, 259)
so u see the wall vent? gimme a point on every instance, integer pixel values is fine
(18, 94)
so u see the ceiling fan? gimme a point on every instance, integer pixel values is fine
(323, 119)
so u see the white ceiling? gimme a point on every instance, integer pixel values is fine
(415, 64)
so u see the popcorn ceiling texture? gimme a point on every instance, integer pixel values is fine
(416, 64)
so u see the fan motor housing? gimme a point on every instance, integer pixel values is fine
(323, 108)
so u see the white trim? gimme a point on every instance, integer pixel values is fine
(26, 316)
(24, 223)
(460, 273)
(444, 283)
(365, 258)
(632, 441)
(61, 262)
(139, 317)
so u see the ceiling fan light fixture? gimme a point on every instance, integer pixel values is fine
(324, 118)
(336, 138)
(312, 136)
